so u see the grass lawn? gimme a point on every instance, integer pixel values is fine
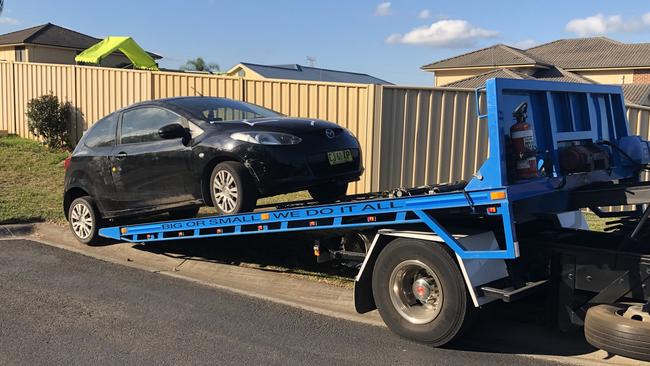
(31, 179)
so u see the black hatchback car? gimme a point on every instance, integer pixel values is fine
(179, 154)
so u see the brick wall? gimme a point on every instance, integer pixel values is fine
(641, 77)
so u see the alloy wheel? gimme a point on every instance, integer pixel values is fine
(225, 191)
(81, 220)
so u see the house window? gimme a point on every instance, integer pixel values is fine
(21, 54)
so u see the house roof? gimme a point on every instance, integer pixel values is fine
(637, 93)
(53, 35)
(633, 93)
(299, 72)
(573, 53)
(479, 80)
(498, 54)
(596, 52)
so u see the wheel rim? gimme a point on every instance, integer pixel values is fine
(225, 191)
(81, 220)
(415, 292)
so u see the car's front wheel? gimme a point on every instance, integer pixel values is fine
(232, 188)
(84, 220)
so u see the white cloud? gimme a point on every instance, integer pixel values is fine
(526, 43)
(645, 18)
(450, 33)
(383, 9)
(9, 21)
(600, 24)
(424, 14)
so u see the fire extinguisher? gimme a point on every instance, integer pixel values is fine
(523, 144)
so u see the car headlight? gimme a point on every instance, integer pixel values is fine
(266, 138)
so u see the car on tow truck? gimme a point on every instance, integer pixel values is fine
(177, 154)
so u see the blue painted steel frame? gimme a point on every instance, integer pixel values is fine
(491, 179)
(335, 216)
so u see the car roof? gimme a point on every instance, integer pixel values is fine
(168, 103)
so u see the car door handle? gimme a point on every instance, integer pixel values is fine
(121, 155)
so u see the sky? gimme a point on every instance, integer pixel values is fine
(389, 40)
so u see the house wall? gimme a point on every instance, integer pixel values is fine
(609, 76)
(7, 53)
(248, 73)
(444, 77)
(50, 55)
(642, 76)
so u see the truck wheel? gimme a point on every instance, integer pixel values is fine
(84, 220)
(329, 192)
(619, 329)
(232, 188)
(419, 291)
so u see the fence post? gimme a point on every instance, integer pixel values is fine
(15, 99)
(375, 120)
(242, 89)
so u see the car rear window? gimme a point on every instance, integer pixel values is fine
(221, 109)
(102, 133)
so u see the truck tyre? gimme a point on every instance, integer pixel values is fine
(84, 220)
(419, 291)
(619, 329)
(232, 188)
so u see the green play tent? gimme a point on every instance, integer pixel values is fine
(126, 45)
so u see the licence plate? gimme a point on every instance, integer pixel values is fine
(339, 157)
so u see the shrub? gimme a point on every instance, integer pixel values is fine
(48, 119)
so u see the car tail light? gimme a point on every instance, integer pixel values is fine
(66, 162)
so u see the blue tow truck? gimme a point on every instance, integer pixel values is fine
(432, 255)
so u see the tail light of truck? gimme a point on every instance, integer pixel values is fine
(66, 162)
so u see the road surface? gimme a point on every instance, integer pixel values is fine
(59, 307)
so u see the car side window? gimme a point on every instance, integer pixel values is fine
(142, 124)
(102, 134)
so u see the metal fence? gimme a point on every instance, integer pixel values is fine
(409, 136)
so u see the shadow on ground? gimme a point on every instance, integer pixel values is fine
(524, 327)
(277, 253)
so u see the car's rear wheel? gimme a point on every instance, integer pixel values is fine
(329, 192)
(84, 220)
(184, 213)
(232, 188)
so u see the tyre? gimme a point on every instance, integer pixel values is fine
(84, 220)
(329, 192)
(184, 213)
(358, 241)
(232, 188)
(619, 329)
(419, 291)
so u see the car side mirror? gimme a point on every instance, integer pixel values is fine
(172, 131)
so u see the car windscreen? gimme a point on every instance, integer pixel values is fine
(220, 109)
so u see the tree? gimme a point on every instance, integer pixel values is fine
(48, 118)
(199, 64)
